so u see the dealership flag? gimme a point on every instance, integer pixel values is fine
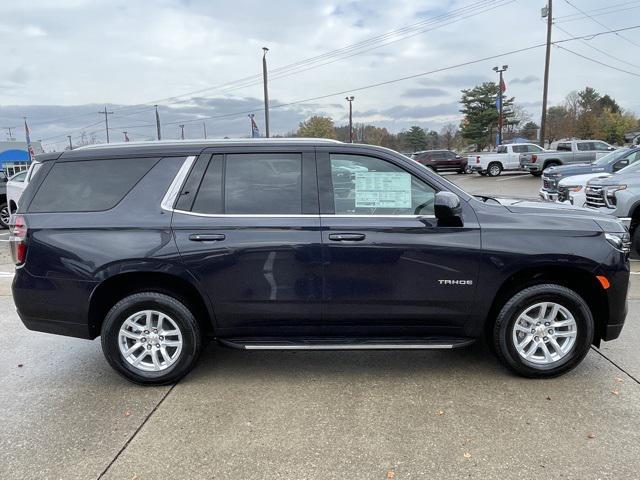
(29, 147)
(255, 131)
(503, 86)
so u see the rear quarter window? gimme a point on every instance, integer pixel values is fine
(91, 185)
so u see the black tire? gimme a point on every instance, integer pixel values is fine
(5, 214)
(494, 169)
(502, 330)
(536, 174)
(181, 316)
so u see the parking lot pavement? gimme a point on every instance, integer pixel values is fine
(255, 415)
(508, 184)
(372, 415)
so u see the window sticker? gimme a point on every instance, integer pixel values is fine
(383, 190)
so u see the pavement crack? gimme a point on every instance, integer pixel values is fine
(130, 439)
(616, 365)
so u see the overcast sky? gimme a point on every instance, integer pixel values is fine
(63, 60)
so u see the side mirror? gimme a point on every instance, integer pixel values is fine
(447, 209)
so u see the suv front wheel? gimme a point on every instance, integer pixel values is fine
(543, 331)
(151, 338)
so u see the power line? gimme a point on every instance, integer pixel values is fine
(598, 11)
(602, 24)
(598, 49)
(598, 61)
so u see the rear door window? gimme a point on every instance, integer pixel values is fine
(564, 147)
(251, 184)
(91, 185)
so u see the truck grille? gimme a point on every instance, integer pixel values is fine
(595, 197)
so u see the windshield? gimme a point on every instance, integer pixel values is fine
(602, 161)
(633, 168)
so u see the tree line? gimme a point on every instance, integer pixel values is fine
(584, 114)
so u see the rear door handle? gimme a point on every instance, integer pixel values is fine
(201, 237)
(347, 237)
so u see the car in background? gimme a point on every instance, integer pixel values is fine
(17, 184)
(506, 157)
(571, 190)
(611, 163)
(441, 160)
(572, 151)
(618, 195)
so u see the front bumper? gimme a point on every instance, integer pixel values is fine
(548, 196)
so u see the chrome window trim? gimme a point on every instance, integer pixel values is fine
(170, 197)
(293, 215)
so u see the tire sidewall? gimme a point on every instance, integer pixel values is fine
(178, 312)
(528, 297)
(494, 165)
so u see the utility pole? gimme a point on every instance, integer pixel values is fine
(543, 121)
(158, 123)
(500, 120)
(106, 120)
(204, 129)
(10, 134)
(181, 131)
(350, 100)
(266, 91)
(70, 144)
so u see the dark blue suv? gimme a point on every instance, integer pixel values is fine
(304, 244)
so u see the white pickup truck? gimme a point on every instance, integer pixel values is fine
(506, 157)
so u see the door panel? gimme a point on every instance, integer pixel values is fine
(391, 265)
(251, 237)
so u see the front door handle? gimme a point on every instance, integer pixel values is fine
(347, 237)
(201, 237)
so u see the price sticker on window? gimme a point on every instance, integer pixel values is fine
(383, 190)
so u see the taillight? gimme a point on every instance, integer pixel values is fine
(18, 239)
(478, 159)
(534, 157)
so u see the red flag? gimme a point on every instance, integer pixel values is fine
(503, 86)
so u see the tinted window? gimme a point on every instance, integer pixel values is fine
(502, 149)
(263, 183)
(89, 185)
(520, 148)
(209, 197)
(564, 147)
(19, 177)
(601, 146)
(534, 148)
(369, 186)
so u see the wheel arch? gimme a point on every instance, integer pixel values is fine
(581, 281)
(551, 161)
(119, 286)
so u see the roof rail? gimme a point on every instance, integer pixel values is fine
(210, 142)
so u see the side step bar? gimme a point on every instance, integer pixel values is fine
(332, 343)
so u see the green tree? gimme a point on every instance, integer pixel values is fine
(415, 139)
(606, 102)
(316, 127)
(529, 130)
(481, 115)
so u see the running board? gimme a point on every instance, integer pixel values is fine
(332, 343)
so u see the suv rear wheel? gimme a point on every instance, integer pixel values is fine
(543, 331)
(5, 215)
(151, 338)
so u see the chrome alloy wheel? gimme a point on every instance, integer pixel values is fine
(150, 341)
(544, 333)
(494, 170)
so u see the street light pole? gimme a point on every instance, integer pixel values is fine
(158, 123)
(181, 131)
(547, 61)
(266, 91)
(500, 120)
(350, 100)
(204, 129)
(70, 144)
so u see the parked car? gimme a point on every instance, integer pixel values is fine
(441, 160)
(618, 195)
(573, 151)
(17, 184)
(610, 163)
(506, 157)
(572, 190)
(158, 245)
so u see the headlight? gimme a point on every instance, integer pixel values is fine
(575, 188)
(612, 189)
(619, 241)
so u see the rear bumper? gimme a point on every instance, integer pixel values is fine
(477, 168)
(531, 167)
(58, 306)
